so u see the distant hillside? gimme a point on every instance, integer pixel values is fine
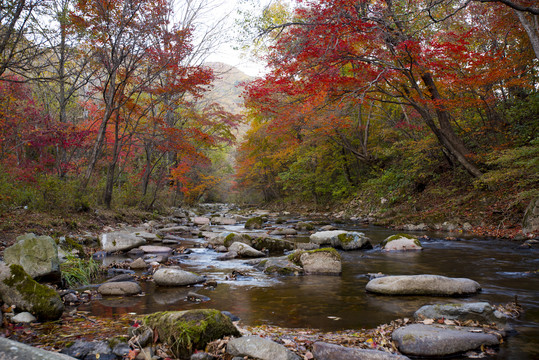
(227, 87)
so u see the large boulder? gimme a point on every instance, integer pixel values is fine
(120, 288)
(174, 276)
(530, 223)
(325, 261)
(346, 240)
(422, 285)
(14, 350)
(481, 312)
(432, 340)
(259, 348)
(244, 250)
(326, 351)
(401, 242)
(38, 256)
(120, 241)
(190, 330)
(19, 289)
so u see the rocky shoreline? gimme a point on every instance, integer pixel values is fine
(156, 248)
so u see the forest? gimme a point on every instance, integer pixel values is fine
(394, 106)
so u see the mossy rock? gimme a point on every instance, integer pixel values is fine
(19, 289)
(414, 242)
(187, 331)
(271, 244)
(254, 223)
(296, 255)
(233, 237)
(38, 256)
(304, 226)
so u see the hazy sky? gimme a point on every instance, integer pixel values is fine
(227, 10)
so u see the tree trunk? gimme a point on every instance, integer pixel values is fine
(109, 187)
(445, 134)
(531, 29)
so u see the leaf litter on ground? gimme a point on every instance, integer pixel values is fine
(79, 325)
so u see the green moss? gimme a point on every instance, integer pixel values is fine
(117, 340)
(279, 270)
(187, 331)
(271, 244)
(229, 239)
(72, 244)
(42, 301)
(345, 238)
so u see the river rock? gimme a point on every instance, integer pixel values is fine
(24, 317)
(434, 285)
(304, 226)
(244, 250)
(173, 276)
(271, 244)
(138, 264)
(148, 236)
(13, 350)
(254, 223)
(325, 351)
(174, 229)
(122, 288)
(321, 262)
(401, 242)
(280, 266)
(259, 348)
(530, 222)
(284, 231)
(328, 228)
(152, 249)
(432, 340)
(229, 255)
(19, 289)
(481, 312)
(307, 246)
(120, 241)
(220, 220)
(85, 349)
(200, 220)
(346, 240)
(190, 330)
(38, 256)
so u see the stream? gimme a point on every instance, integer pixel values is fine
(330, 303)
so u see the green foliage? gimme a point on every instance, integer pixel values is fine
(76, 271)
(517, 167)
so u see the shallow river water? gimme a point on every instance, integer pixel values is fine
(329, 303)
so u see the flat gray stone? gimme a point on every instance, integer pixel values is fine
(432, 340)
(259, 348)
(172, 276)
(422, 285)
(152, 249)
(122, 288)
(13, 350)
(346, 240)
(119, 241)
(325, 351)
(481, 312)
